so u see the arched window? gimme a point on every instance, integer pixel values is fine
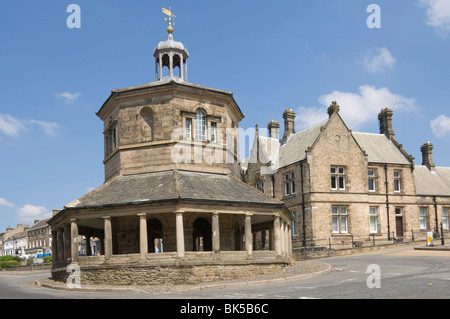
(200, 126)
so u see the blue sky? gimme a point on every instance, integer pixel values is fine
(272, 55)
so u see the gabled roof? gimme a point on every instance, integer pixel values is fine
(294, 150)
(380, 149)
(267, 149)
(40, 224)
(432, 183)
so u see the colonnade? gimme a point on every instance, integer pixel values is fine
(65, 239)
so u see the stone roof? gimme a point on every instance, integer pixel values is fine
(431, 183)
(172, 186)
(294, 150)
(380, 149)
(40, 224)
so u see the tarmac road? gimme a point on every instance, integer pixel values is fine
(400, 273)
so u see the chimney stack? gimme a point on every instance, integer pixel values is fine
(385, 118)
(427, 156)
(274, 129)
(289, 127)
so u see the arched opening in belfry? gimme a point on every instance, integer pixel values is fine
(154, 235)
(201, 233)
(176, 63)
(165, 59)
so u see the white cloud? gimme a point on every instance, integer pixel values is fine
(4, 202)
(28, 213)
(13, 126)
(438, 15)
(48, 127)
(356, 108)
(69, 97)
(440, 125)
(378, 60)
(309, 116)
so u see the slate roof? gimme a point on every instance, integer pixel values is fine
(432, 183)
(40, 224)
(380, 149)
(169, 186)
(294, 150)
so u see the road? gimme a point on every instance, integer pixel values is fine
(399, 273)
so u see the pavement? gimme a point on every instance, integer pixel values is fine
(296, 271)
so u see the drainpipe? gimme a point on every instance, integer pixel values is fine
(303, 205)
(436, 229)
(273, 185)
(387, 201)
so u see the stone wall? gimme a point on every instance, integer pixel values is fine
(166, 275)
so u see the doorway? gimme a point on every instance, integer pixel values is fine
(154, 236)
(399, 221)
(202, 238)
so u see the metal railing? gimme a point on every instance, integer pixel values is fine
(346, 241)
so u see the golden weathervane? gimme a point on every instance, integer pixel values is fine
(171, 16)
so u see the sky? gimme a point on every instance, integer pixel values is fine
(59, 63)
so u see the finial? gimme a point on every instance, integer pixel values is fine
(171, 16)
(334, 107)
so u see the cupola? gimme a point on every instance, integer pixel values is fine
(170, 54)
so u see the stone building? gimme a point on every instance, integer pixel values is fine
(348, 188)
(173, 207)
(39, 238)
(8, 242)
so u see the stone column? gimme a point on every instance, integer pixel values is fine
(74, 240)
(180, 234)
(108, 237)
(276, 229)
(143, 239)
(185, 73)
(60, 236)
(88, 245)
(215, 232)
(282, 237)
(55, 245)
(181, 67)
(171, 64)
(289, 237)
(248, 235)
(160, 67)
